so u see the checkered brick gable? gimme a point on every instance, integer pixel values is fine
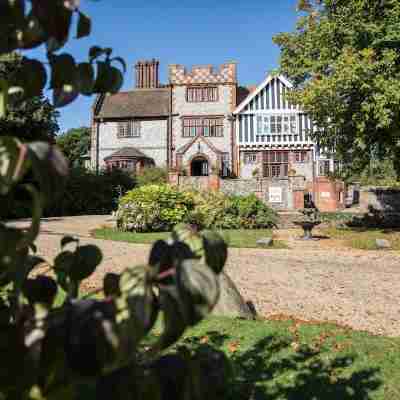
(202, 74)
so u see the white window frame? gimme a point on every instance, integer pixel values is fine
(276, 124)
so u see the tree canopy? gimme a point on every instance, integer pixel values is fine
(344, 59)
(74, 143)
(29, 119)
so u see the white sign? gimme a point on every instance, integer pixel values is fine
(275, 194)
(325, 195)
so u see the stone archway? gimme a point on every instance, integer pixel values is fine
(199, 166)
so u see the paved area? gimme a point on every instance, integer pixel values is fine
(311, 281)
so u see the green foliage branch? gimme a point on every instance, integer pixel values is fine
(50, 350)
(345, 62)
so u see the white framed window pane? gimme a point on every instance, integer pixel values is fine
(259, 125)
(267, 129)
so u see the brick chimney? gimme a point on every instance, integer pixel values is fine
(147, 74)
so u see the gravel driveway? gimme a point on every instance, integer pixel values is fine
(359, 289)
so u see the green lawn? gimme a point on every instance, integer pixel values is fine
(234, 238)
(362, 238)
(287, 360)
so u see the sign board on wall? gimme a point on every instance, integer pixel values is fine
(275, 194)
(325, 195)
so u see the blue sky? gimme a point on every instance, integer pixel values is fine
(182, 32)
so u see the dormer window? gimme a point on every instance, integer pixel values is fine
(198, 94)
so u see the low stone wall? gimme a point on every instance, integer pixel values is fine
(385, 199)
(241, 187)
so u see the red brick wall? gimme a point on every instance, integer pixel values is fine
(298, 199)
(329, 194)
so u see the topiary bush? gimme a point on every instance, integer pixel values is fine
(153, 208)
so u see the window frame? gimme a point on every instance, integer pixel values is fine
(198, 126)
(202, 94)
(275, 163)
(129, 129)
(250, 158)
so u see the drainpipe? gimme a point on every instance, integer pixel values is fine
(97, 145)
(169, 130)
(231, 118)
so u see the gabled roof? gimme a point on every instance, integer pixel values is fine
(254, 93)
(127, 152)
(136, 103)
(183, 149)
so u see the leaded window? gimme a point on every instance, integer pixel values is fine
(207, 127)
(196, 94)
(275, 163)
(128, 129)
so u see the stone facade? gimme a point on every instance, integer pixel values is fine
(152, 141)
(212, 149)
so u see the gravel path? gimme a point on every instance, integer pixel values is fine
(310, 281)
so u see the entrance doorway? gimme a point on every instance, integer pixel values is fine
(199, 167)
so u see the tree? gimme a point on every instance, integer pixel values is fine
(345, 62)
(74, 144)
(31, 118)
(50, 351)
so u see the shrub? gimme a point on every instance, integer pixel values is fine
(154, 208)
(152, 176)
(89, 193)
(159, 208)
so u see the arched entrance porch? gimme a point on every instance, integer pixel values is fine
(199, 166)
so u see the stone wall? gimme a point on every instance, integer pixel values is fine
(385, 199)
(152, 140)
(225, 80)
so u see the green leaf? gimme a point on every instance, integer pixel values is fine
(161, 255)
(121, 61)
(215, 250)
(64, 96)
(66, 240)
(63, 71)
(62, 265)
(84, 26)
(87, 258)
(198, 288)
(3, 97)
(54, 17)
(111, 287)
(36, 207)
(12, 257)
(13, 163)
(32, 35)
(174, 321)
(136, 309)
(42, 289)
(85, 77)
(116, 80)
(109, 79)
(94, 52)
(50, 168)
(29, 80)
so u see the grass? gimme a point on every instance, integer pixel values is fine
(299, 361)
(364, 239)
(235, 238)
